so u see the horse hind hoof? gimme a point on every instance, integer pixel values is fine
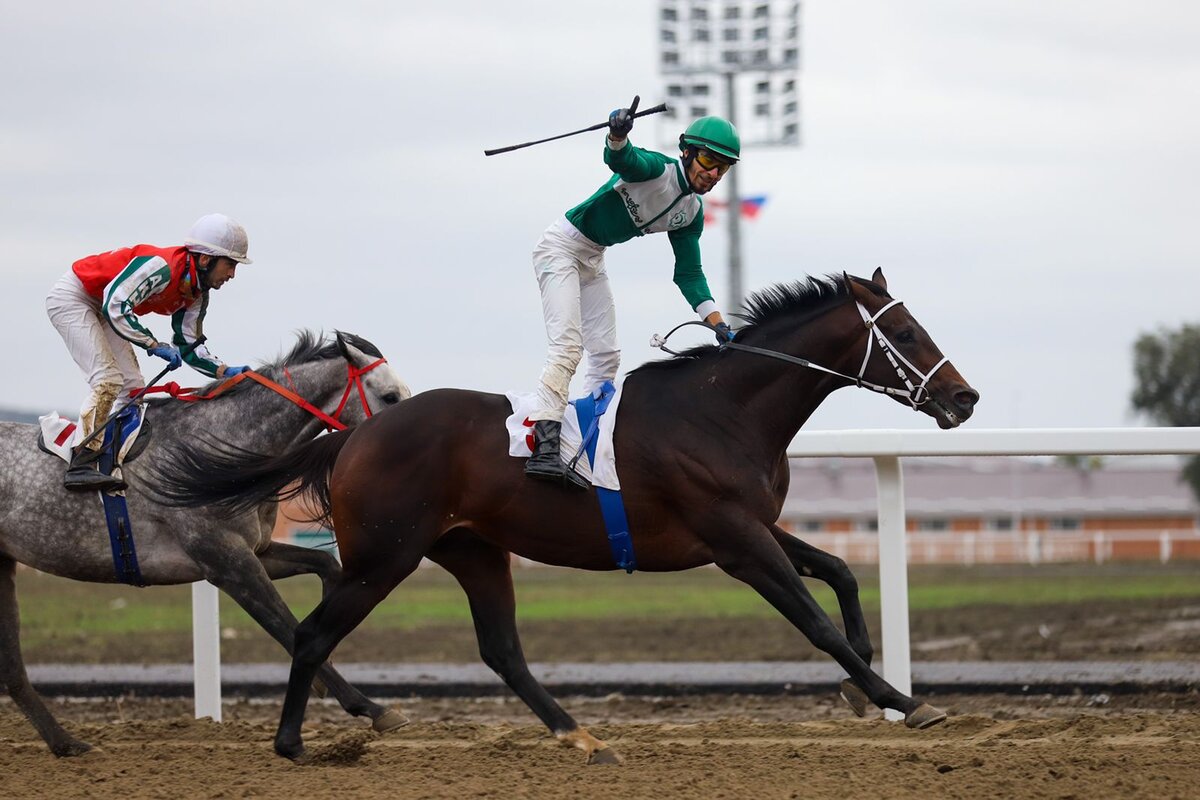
(924, 716)
(71, 749)
(295, 753)
(854, 697)
(388, 721)
(605, 755)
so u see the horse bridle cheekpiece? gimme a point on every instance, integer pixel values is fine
(916, 395)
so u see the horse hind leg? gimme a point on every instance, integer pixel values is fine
(338, 613)
(483, 570)
(15, 679)
(247, 580)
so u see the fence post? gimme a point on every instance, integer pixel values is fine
(1033, 548)
(206, 650)
(893, 578)
(1164, 547)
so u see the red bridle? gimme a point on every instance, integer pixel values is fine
(333, 423)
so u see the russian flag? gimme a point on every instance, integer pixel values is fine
(752, 205)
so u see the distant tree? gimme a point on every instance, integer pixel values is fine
(1166, 367)
(1081, 463)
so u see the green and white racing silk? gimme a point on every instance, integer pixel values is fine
(648, 193)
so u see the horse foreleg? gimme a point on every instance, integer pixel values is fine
(14, 677)
(751, 554)
(813, 562)
(248, 581)
(484, 572)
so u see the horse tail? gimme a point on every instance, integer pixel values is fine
(240, 480)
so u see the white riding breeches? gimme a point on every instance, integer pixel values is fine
(577, 303)
(108, 361)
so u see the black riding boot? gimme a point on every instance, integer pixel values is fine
(84, 476)
(546, 464)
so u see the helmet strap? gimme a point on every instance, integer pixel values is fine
(689, 155)
(202, 272)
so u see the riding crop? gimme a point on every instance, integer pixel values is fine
(658, 109)
(137, 396)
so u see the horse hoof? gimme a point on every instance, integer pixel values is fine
(294, 752)
(605, 755)
(389, 720)
(71, 748)
(854, 697)
(924, 716)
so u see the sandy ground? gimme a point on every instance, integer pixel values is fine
(1093, 747)
(1088, 747)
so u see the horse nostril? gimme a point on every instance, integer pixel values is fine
(966, 398)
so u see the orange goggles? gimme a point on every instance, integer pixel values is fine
(710, 160)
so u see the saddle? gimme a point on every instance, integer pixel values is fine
(125, 436)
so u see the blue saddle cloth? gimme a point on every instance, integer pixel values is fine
(589, 410)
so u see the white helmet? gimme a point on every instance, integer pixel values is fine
(218, 235)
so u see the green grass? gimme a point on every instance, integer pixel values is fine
(55, 607)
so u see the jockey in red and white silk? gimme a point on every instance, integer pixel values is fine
(96, 307)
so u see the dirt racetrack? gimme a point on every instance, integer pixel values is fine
(1127, 747)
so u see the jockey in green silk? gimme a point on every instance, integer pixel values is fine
(648, 193)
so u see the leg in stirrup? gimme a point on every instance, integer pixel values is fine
(546, 462)
(84, 475)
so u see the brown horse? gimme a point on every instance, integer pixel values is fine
(701, 450)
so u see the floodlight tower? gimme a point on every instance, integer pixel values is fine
(711, 49)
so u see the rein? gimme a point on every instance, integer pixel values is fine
(332, 423)
(915, 395)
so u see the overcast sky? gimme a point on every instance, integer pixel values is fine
(1024, 171)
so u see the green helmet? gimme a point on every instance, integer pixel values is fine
(714, 133)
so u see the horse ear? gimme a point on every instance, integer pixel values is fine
(855, 288)
(877, 277)
(342, 346)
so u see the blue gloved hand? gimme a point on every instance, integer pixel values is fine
(231, 371)
(724, 333)
(168, 353)
(620, 123)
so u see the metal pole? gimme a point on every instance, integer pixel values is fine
(893, 578)
(736, 296)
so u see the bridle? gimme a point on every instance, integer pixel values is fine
(916, 395)
(332, 423)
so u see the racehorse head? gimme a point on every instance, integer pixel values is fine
(361, 386)
(902, 360)
(368, 373)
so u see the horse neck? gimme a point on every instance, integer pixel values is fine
(773, 398)
(259, 419)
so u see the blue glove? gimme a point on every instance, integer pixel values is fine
(620, 123)
(168, 353)
(231, 371)
(724, 333)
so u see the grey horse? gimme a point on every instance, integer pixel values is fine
(64, 533)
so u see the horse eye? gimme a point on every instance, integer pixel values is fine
(391, 398)
(905, 337)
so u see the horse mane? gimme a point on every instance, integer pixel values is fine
(796, 301)
(310, 346)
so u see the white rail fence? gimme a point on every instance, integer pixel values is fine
(891, 544)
